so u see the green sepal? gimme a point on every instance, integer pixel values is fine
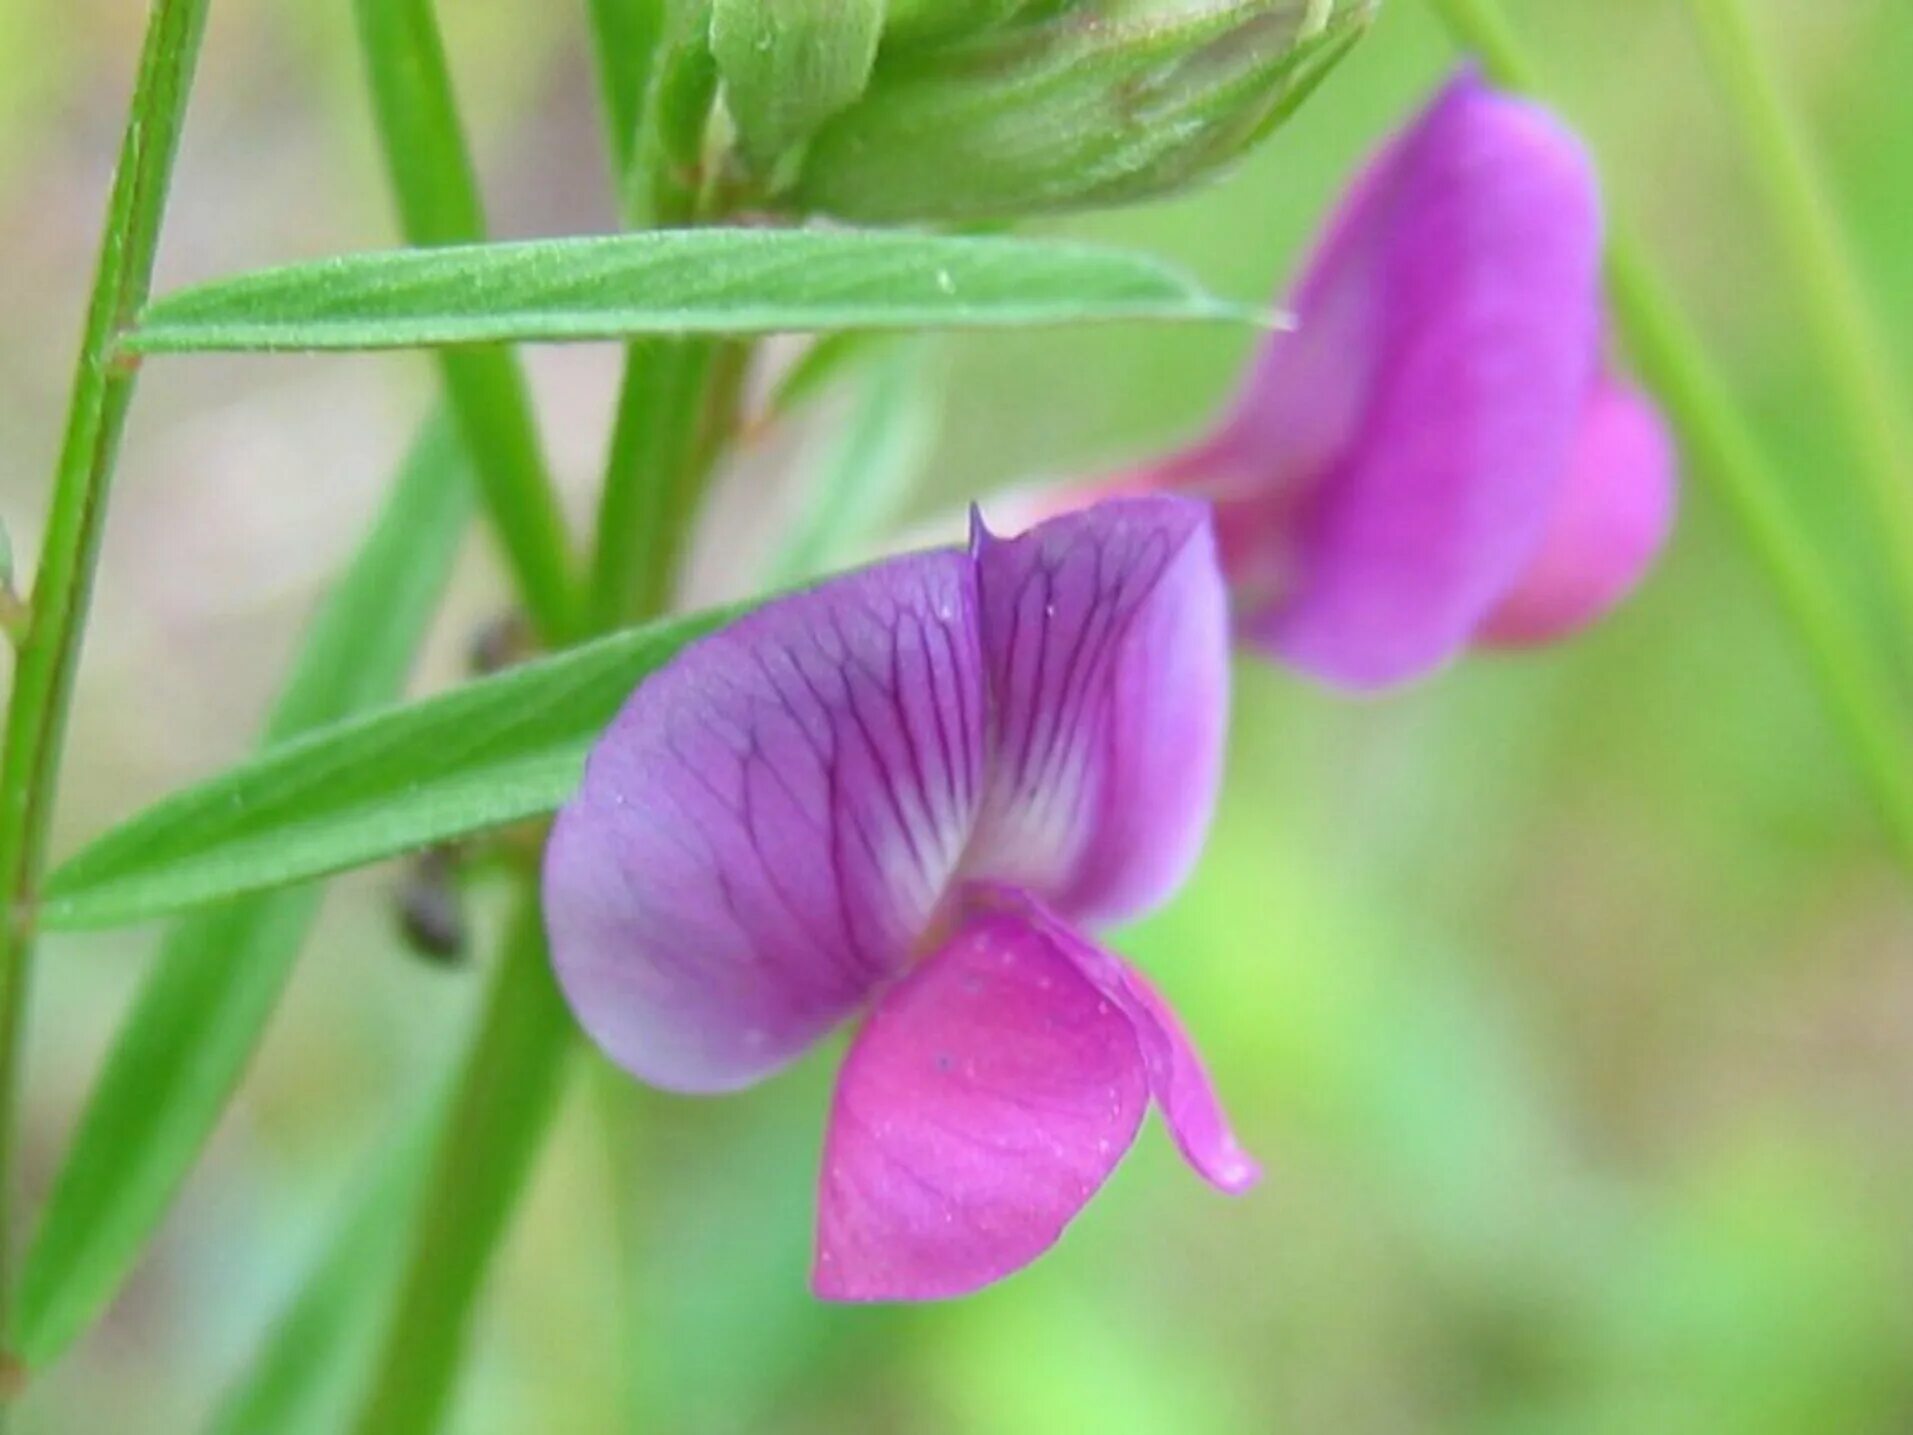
(789, 65)
(1076, 111)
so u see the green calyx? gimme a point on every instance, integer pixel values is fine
(1094, 104)
(789, 65)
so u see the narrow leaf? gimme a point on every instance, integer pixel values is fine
(219, 974)
(711, 281)
(492, 752)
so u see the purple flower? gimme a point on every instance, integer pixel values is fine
(910, 790)
(1435, 457)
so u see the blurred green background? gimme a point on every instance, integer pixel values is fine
(1568, 999)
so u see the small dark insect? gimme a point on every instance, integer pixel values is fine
(431, 908)
(503, 642)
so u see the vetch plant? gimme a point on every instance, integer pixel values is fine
(908, 789)
(339, 785)
(910, 795)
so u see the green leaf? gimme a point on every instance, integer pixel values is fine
(492, 752)
(709, 281)
(220, 973)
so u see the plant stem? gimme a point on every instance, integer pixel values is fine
(656, 103)
(1479, 26)
(102, 390)
(438, 203)
(643, 511)
(1856, 683)
(1859, 367)
(506, 1097)
(515, 1068)
(626, 35)
(508, 1090)
(656, 107)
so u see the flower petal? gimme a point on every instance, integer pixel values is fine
(990, 1094)
(765, 830)
(1391, 465)
(1105, 638)
(1177, 1078)
(1612, 517)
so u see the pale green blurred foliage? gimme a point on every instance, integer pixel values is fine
(1568, 999)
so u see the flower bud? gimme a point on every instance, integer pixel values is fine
(1075, 110)
(789, 65)
(912, 22)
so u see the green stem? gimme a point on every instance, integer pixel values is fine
(720, 415)
(509, 1087)
(643, 511)
(661, 177)
(438, 203)
(513, 1071)
(657, 99)
(626, 35)
(657, 105)
(1479, 25)
(507, 1095)
(1856, 683)
(1860, 369)
(102, 389)
(678, 404)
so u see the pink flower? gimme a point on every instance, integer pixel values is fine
(908, 792)
(1435, 456)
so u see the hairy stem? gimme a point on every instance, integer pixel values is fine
(1854, 679)
(56, 623)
